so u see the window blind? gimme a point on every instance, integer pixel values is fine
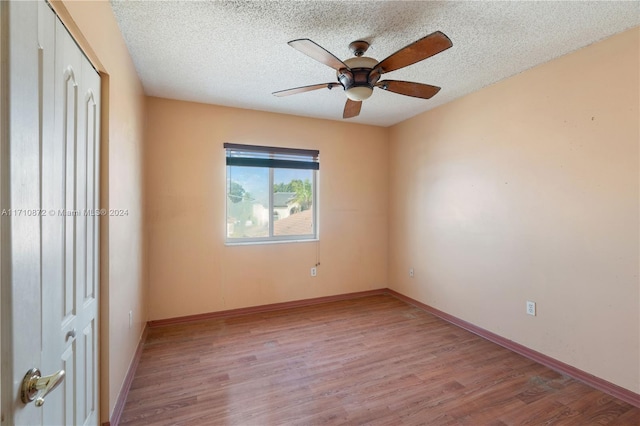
(273, 157)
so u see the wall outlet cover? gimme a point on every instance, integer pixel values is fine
(531, 308)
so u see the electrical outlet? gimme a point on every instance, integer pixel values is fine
(314, 271)
(130, 319)
(411, 272)
(531, 308)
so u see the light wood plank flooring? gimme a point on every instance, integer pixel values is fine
(373, 360)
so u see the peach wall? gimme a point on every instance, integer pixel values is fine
(191, 271)
(123, 280)
(528, 190)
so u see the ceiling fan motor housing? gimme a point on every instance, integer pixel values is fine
(359, 79)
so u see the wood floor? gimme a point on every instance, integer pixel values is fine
(373, 360)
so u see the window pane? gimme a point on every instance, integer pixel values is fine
(292, 202)
(247, 202)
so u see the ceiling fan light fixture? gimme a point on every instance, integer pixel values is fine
(357, 80)
(359, 93)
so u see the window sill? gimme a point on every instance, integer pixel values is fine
(253, 243)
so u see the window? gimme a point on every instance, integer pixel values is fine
(271, 193)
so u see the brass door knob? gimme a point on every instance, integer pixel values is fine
(34, 386)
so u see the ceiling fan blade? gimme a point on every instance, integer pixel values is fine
(351, 109)
(317, 52)
(306, 89)
(407, 88)
(417, 51)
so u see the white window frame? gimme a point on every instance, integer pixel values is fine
(273, 153)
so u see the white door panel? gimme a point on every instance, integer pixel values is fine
(51, 169)
(56, 175)
(21, 320)
(86, 226)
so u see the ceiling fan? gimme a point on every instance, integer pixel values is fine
(358, 76)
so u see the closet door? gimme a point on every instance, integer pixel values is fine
(52, 214)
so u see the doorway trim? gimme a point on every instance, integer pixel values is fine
(5, 261)
(4, 121)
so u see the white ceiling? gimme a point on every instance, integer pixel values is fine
(235, 53)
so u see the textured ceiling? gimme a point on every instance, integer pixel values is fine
(235, 53)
